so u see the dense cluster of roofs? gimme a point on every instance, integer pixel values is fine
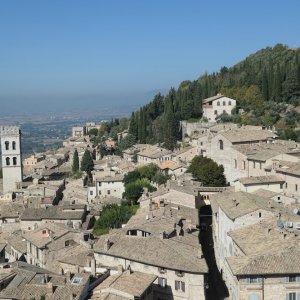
(48, 249)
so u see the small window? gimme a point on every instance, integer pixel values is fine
(14, 161)
(6, 145)
(254, 296)
(14, 145)
(259, 214)
(216, 112)
(254, 165)
(7, 161)
(235, 163)
(179, 285)
(224, 111)
(229, 103)
(108, 192)
(224, 103)
(292, 296)
(221, 145)
(286, 185)
(91, 193)
(260, 165)
(218, 103)
(244, 165)
(296, 187)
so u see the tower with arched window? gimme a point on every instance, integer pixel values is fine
(11, 157)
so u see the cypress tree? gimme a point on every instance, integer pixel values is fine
(133, 126)
(87, 163)
(75, 166)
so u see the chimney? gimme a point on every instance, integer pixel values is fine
(106, 244)
(268, 230)
(93, 266)
(49, 288)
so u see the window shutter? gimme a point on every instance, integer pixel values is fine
(298, 296)
(183, 286)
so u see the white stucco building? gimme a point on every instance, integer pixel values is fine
(217, 105)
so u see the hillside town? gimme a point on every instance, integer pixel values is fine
(183, 238)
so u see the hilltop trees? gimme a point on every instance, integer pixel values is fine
(261, 84)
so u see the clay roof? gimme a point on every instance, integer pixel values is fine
(243, 135)
(261, 180)
(238, 204)
(177, 253)
(212, 98)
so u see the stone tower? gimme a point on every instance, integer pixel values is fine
(11, 157)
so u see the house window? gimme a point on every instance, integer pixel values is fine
(292, 296)
(91, 193)
(224, 103)
(260, 165)
(179, 285)
(235, 163)
(292, 278)
(286, 185)
(221, 145)
(229, 102)
(162, 282)
(254, 296)
(14, 145)
(218, 103)
(216, 112)
(296, 187)
(253, 280)
(7, 161)
(259, 214)
(254, 165)
(6, 145)
(224, 111)
(244, 165)
(108, 192)
(14, 161)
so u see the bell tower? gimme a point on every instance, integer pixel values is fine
(12, 168)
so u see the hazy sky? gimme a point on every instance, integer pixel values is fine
(67, 53)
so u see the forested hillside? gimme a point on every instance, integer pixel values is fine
(266, 86)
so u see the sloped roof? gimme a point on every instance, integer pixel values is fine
(261, 180)
(174, 253)
(212, 98)
(243, 135)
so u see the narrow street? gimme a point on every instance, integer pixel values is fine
(217, 289)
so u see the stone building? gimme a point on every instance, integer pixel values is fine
(217, 105)
(12, 167)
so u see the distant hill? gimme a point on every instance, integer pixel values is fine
(266, 86)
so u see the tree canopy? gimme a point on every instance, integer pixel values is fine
(207, 171)
(87, 163)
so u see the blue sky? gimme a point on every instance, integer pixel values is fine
(70, 54)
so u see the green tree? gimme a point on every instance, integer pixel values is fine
(75, 165)
(87, 164)
(134, 190)
(127, 142)
(113, 216)
(207, 171)
(93, 132)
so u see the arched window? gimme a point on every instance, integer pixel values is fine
(14, 161)
(6, 145)
(7, 161)
(224, 103)
(229, 102)
(14, 145)
(221, 145)
(218, 103)
(216, 112)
